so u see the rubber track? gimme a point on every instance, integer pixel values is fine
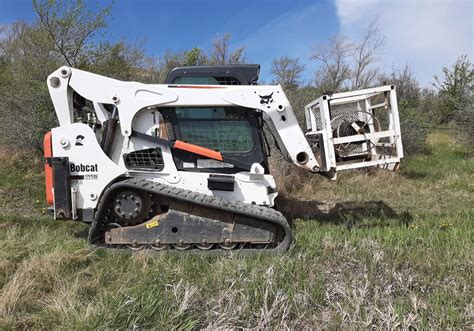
(257, 212)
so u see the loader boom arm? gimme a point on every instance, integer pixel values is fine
(131, 97)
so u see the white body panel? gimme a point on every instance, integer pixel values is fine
(101, 169)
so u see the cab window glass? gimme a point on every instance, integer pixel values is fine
(221, 129)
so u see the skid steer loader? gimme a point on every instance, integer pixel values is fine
(183, 165)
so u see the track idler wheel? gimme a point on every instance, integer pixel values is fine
(132, 207)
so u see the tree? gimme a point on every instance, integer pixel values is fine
(456, 89)
(168, 62)
(122, 61)
(334, 69)
(287, 72)
(171, 60)
(221, 53)
(64, 33)
(25, 104)
(195, 57)
(412, 110)
(364, 55)
(70, 25)
(348, 64)
(408, 88)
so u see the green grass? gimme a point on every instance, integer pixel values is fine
(408, 266)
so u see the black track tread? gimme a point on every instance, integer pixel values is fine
(258, 212)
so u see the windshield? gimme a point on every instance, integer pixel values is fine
(221, 129)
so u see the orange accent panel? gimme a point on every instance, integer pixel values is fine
(197, 86)
(198, 150)
(48, 170)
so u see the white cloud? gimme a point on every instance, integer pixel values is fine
(426, 35)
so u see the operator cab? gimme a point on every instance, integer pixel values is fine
(235, 132)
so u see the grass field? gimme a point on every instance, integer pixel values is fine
(406, 263)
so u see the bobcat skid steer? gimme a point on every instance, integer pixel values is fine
(183, 165)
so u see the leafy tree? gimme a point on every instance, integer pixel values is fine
(408, 88)
(64, 34)
(413, 117)
(456, 90)
(220, 54)
(287, 72)
(25, 105)
(71, 26)
(195, 57)
(122, 61)
(169, 61)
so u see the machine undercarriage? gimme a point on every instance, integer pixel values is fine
(179, 219)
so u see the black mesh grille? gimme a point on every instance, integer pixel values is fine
(227, 81)
(145, 159)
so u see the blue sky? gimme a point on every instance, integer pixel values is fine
(425, 34)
